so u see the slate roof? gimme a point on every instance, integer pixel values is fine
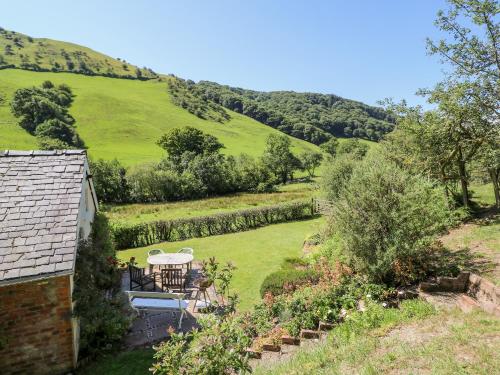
(40, 194)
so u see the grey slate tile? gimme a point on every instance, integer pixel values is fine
(40, 192)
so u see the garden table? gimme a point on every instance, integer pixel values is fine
(170, 259)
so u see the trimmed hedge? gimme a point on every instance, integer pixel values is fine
(144, 234)
(284, 280)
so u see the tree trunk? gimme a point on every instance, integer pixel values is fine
(463, 179)
(496, 188)
(445, 184)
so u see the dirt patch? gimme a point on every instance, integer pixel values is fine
(482, 238)
(416, 333)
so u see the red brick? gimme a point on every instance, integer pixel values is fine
(38, 330)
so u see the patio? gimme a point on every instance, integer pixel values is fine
(152, 327)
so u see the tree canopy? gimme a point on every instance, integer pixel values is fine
(279, 158)
(188, 139)
(43, 112)
(309, 116)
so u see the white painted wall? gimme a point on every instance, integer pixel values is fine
(86, 212)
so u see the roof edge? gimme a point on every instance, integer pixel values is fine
(41, 152)
(27, 279)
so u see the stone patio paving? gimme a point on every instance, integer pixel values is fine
(152, 327)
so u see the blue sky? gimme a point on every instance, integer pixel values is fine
(365, 50)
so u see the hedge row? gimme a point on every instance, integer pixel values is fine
(144, 234)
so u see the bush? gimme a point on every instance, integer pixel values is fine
(99, 301)
(307, 306)
(110, 183)
(197, 176)
(385, 215)
(337, 175)
(353, 147)
(59, 130)
(287, 280)
(51, 144)
(127, 236)
(219, 347)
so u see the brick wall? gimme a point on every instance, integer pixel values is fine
(35, 324)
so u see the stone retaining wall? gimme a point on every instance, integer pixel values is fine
(483, 291)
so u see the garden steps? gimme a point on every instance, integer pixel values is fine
(467, 304)
(289, 347)
(467, 291)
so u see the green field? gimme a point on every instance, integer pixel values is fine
(255, 253)
(120, 118)
(145, 212)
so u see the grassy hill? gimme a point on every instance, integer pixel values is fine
(39, 54)
(122, 118)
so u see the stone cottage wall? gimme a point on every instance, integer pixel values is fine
(35, 327)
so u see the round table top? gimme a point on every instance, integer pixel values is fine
(170, 258)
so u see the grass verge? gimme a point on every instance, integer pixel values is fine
(414, 339)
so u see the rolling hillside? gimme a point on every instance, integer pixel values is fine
(123, 118)
(39, 54)
(310, 116)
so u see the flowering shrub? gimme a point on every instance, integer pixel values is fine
(307, 306)
(218, 347)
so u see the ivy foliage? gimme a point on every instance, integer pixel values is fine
(99, 301)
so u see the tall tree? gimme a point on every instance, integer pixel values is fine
(310, 161)
(180, 140)
(464, 125)
(469, 100)
(472, 47)
(488, 162)
(279, 158)
(44, 113)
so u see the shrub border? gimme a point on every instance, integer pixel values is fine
(145, 234)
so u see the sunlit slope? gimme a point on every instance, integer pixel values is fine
(41, 54)
(120, 118)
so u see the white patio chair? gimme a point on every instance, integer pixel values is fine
(186, 250)
(156, 301)
(155, 252)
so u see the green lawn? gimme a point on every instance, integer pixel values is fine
(134, 362)
(120, 118)
(146, 212)
(255, 253)
(483, 194)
